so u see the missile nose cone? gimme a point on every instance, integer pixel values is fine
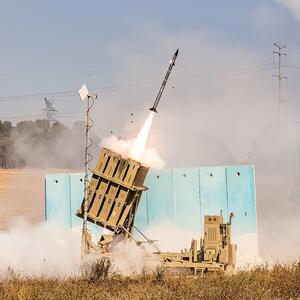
(176, 53)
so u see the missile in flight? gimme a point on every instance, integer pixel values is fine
(163, 85)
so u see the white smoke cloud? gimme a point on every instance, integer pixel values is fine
(51, 250)
(173, 238)
(43, 249)
(149, 157)
(292, 5)
(170, 237)
(219, 108)
(247, 250)
(129, 258)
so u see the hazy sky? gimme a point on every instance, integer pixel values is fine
(50, 47)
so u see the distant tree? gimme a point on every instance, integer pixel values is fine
(6, 145)
(36, 144)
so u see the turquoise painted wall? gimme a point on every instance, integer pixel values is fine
(181, 196)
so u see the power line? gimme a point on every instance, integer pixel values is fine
(55, 75)
(292, 66)
(112, 88)
(86, 73)
(127, 107)
(41, 94)
(65, 116)
(238, 71)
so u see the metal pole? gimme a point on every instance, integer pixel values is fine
(279, 82)
(86, 174)
(279, 75)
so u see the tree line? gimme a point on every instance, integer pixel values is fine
(37, 144)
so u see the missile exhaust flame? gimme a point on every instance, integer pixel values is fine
(141, 140)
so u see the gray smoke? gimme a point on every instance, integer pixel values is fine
(219, 108)
(36, 144)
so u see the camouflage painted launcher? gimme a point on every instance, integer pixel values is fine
(114, 191)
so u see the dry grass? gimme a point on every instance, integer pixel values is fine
(263, 282)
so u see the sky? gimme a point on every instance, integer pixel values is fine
(49, 48)
(220, 106)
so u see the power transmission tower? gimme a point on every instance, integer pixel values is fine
(278, 51)
(50, 111)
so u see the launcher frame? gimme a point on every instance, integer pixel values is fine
(114, 193)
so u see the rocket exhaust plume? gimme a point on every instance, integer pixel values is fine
(141, 140)
(136, 149)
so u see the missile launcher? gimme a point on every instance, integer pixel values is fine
(216, 252)
(114, 193)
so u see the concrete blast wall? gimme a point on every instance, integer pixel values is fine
(180, 196)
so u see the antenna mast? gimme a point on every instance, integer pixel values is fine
(278, 51)
(89, 98)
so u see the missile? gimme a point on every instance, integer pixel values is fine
(163, 85)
